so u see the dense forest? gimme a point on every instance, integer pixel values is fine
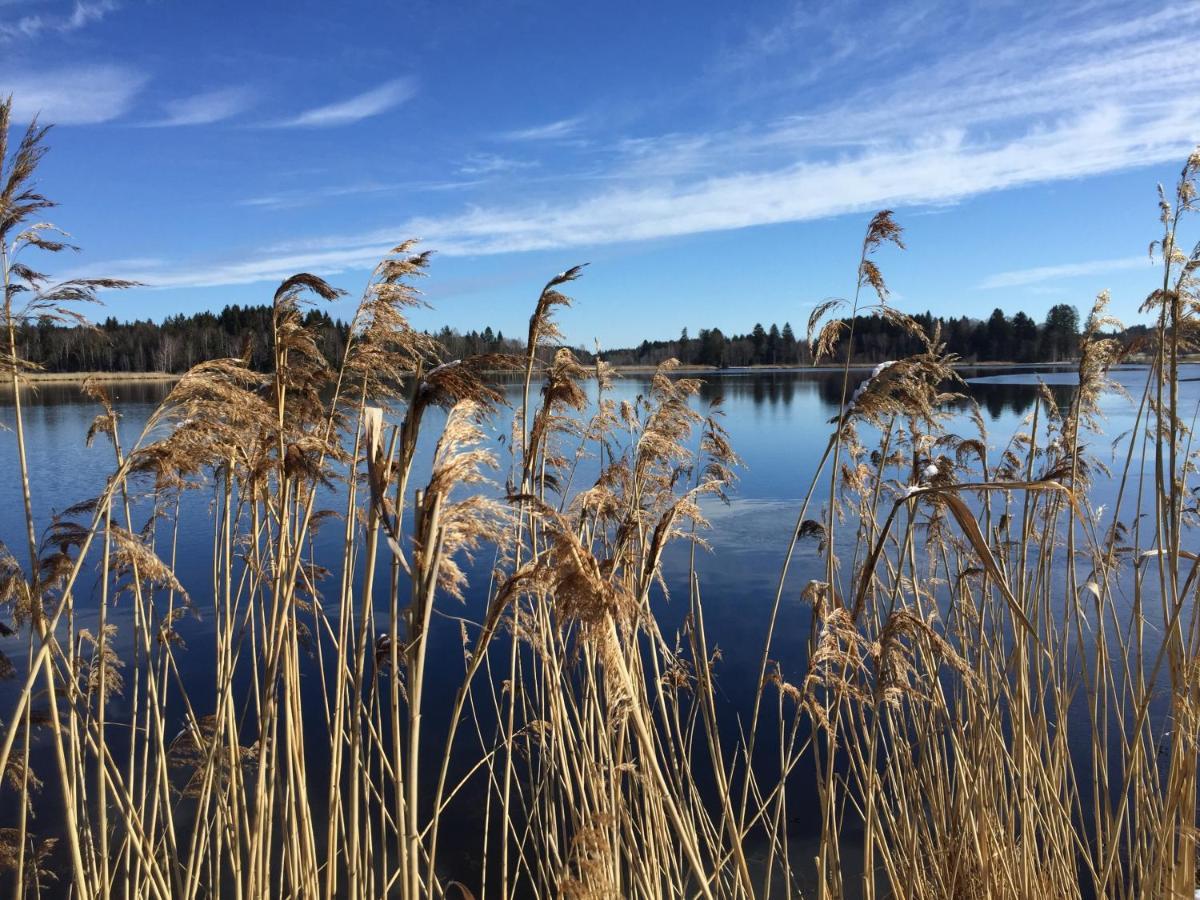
(875, 339)
(180, 342)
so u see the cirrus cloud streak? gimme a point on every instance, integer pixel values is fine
(946, 168)
(361, 106)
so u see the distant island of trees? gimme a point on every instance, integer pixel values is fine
(180, 341)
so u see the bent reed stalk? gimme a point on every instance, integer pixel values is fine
(1000, 690)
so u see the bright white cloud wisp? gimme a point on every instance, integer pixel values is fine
(34, 25)
(946, 169)
(1035, 106)
(83, 95)
(362, 106)
(1042, 274)
(551, 131)
(207, 108)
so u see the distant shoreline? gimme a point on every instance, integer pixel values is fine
(80, 377)
(44, 377)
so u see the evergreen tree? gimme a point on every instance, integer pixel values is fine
(790, 356)
(1061, 333)
(181, 341)
(1024, 337)
(999, 336)
(759, 338)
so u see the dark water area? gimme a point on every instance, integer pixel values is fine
(778, 423)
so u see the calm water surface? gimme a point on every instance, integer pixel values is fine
(778, 422)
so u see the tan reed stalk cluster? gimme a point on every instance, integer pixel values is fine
(1000, 697)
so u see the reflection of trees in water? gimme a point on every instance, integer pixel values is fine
(775, 389)
(997, 399)
(70, 393)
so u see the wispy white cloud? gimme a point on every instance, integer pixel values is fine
(362, 106)
(822, 36)
(551, 131)
(83, 95)
(79, 16)
(941, 169)
(1016, 80)
(163, 273)
(300, 197)
(1033, 105)
(207, 108)
(492, 164)
(1042, 274)
(294, 199)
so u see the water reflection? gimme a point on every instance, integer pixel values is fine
(778, 423)
(70, 393)
(1000, 393)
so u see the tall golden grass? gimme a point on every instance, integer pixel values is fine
(1000, 698)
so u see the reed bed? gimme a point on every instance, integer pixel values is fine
(1000, 697)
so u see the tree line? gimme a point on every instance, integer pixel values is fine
(997, 338)
(174, 346)
(181, 341)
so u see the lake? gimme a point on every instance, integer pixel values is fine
(777, 421)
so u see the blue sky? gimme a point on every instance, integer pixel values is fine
(715, 163)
